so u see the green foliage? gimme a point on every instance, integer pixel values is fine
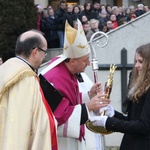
(16, 17)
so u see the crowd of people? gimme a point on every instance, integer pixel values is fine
(96, 17)
(26, 118)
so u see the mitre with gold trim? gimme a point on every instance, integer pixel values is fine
(75, 42)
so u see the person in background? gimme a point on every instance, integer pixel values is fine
(129, 11)
(117, 12)
(76, 12)
(87, 11)
(103, 7)
(122, 21)
(132, 16)
(71, 112)
(109, 10)
(81, 7)
(49, 28)
(86, 27)
(75, 24)
(109, 25)
(132, 9)
(114, 21)
(1, 60)
(146, 8)
(49, 7)
(69, 14)
(26, 120)
(103, 18)
(84, 19)
(96, 9)
(94, 24)
(140, 10)
(136, 125)
(52, 26)
(103, 28)
(39, 10)
(60, 20)
(122, 12)
(44, 24)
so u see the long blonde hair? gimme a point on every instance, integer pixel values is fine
(141, 83)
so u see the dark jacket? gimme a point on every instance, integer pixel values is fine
(69, 17)
(49, 28)
(89, 14)
(95, 12)
(60, 19)
(102, 20)
(135, 126)
(139, 12)
(76, 16)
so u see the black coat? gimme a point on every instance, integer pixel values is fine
(88, 14)
(76, 16)
(60, 19)
(136, 126)
(49, 28)
(95, 13)
(139, 12)
(69, 18)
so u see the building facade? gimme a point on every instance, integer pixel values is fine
(126, 3)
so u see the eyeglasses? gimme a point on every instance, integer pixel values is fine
(45, 51)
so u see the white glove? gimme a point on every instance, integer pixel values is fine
(99, 120)
(109, 111)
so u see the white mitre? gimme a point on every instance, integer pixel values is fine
(75, 42)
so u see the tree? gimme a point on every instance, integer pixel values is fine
(16, 17)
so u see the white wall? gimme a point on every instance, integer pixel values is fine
(43, 3)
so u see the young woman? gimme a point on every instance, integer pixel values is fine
(76, 12)
(87, 11)
(136, 125)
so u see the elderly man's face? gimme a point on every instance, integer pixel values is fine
(94, 24)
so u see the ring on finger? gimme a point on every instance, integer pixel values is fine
(101, 102)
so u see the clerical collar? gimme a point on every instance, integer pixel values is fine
(26, 63)
(79, 77)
